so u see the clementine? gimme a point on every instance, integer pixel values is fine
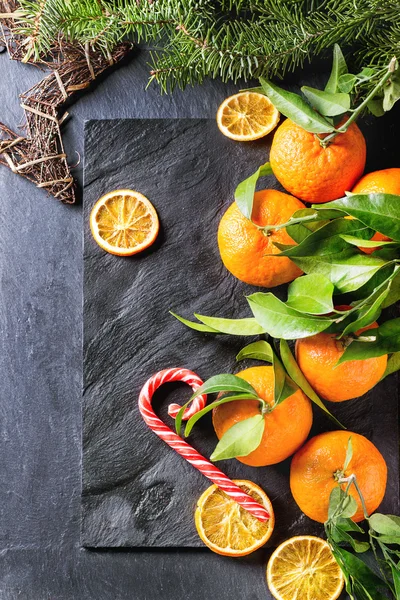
(314, 173)
(245, 249)
(317, 357)
(386, 181)
(318, 465)
(286, 426)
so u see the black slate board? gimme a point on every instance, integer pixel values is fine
(136, 491)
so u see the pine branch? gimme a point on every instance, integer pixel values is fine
(231, 39)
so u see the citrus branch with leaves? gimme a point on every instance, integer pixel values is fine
(364, 581)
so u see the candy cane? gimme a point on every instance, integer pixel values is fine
(182, 448)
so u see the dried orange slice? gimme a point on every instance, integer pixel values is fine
(247, 116)
(303, 567)
(124, 222)
(227, 528)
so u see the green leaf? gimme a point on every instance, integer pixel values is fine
(179, 417)
(360, 572)
(226, 382)
(394, 290)
(335, 499)
(361, 243)
(339, 68)
(370, 308)
(219, 325)
(387, 340)
(311, 294)
(193, 420)
(388, 539)
(327, 104)
(393, 364)
(385, 524)
(378, 211)
(297, 376)
(349, 509)
(328, 238)
(348, 270)
(366, 74)
(366, 315)
(375, 106)
(396, 580)
(295, 108)
(244, 193)
(348, 525)
(339, 535)
(260, 350)
(349, 455)
(281, 321)
(232, 326)
(193, 325)
(240, 439)
(371, 285)
(346, 82)
(341, 506)
(391, 92)
(284, 387)
(300, 231)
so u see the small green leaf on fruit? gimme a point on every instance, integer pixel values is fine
(281, 321)
(346, 82)
(295, 108)
(311, 294)
(339, 68)
(329, 105)
(349, 455)
(240, 439)
(244, 193)
(260, 350)
(297, 376)
(385, 524)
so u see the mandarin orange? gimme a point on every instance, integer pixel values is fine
(314, 173)
(386, 181)
(245, 249)
(318, 465)
(286, 426)
(317, 357)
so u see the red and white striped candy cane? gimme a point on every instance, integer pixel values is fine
(178, 444)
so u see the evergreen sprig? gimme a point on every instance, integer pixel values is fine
(230, 39)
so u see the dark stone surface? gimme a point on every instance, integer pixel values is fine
(40, 367)
(136, 490)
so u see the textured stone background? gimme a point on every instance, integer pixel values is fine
(138, 492)
(41, 373)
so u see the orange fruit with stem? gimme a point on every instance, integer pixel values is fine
(317, 357)
(246, 249)
(319, 465)
(287, 425)
(311, 172)
(386, 181)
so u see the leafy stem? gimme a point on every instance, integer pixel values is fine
(266, 229)
(356, 112)
(352, 480)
